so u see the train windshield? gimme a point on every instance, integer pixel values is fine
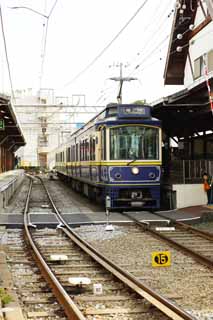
(134, 142)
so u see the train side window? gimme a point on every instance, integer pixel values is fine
(93, 148)
(90, 147)
(74, 153)
(71, 153)
(103, 144)
(86, 150)
(77, 152)
(68, 155)
(81, 151)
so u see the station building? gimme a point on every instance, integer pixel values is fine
(47, 121)
(11, 136)
(187, 115)
(11, 139)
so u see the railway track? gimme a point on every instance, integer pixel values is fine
(35, 297)
(185, 282)
(194, 242)
(73, 268)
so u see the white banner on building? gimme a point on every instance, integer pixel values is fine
(209, 4)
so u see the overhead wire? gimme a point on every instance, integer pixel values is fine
(107, 46)
(105, 95)
(43, 54)
(157, 16)
(161, 21)
(149, 55)
(6, 55)
(150, 40)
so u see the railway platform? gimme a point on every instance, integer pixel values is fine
(190, 215)
(9, 182)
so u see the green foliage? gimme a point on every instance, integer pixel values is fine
(2, 291)
(5, 297)
(140, 102)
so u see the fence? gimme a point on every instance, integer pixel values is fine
(188, 171)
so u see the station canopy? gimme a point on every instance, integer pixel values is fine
(11, 134)
(185, 112)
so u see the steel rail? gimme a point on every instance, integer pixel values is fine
(70, 308)
(160, 302)
(197, 256)
(179, 224)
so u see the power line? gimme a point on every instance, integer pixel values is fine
(159, 15)
(161, 21)
(45, 45)
(6, 54)
(146, 49)
(44, 37)
(149, 54)
(107, 46)
(53, 7)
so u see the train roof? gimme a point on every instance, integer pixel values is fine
(120, 112)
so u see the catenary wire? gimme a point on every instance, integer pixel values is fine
(6, 54)
(107, 46)
(43, 55)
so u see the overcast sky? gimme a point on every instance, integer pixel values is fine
(78, 31)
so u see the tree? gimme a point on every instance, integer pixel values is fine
(140, 102)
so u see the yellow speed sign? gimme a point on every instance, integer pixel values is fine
(161, 259)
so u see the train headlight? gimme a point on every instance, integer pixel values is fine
(135, 170)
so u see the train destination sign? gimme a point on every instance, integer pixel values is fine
(134, 111)
(161, 259)
(2, 126)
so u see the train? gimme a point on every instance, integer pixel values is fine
(115, 158)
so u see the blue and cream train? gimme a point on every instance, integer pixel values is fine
(115, 155)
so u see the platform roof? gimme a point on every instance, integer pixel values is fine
(186, 112)
(10, 131)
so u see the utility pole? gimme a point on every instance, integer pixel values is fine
(121, 80)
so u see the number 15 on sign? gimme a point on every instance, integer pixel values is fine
(161, 259)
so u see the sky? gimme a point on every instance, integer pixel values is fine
(77, 33)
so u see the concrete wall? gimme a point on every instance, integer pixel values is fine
(188, 195)
(9, 185)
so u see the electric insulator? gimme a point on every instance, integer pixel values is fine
(179, 36)
(179, 49)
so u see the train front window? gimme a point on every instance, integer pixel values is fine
(134, 142)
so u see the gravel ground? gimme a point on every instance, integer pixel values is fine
(68, 200)
(205, 226)
(186, 282)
